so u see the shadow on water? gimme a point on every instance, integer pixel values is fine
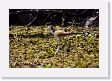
(40, 35)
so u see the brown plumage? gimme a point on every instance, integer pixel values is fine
(58, 34)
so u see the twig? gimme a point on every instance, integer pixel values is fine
(32, 21)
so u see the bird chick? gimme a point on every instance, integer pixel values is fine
(58, 33)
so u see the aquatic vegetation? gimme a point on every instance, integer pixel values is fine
(35, 46)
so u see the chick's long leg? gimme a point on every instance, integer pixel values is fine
(58, 45)
(57, 49)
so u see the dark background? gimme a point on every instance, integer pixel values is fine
(43, 16)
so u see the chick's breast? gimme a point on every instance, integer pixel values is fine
(60, 33)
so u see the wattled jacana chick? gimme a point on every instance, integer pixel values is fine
(58, 34)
